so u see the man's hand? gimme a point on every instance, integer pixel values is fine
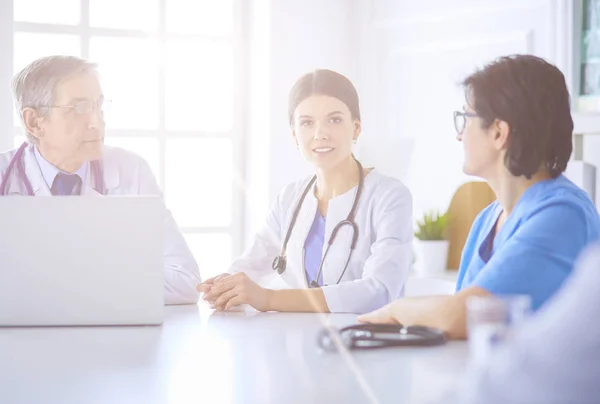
(205, 287)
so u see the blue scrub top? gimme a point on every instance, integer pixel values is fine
(535, 250)
(313, 248)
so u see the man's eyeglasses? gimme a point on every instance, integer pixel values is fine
(85, 107)
(460, 120)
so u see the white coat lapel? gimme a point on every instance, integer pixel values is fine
(111, 179)
(337, 211)
(33, 173)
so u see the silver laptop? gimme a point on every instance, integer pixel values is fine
(81, 260)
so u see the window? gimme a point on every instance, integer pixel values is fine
(589, 88)
(173, 73)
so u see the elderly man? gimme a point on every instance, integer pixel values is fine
(60, 102)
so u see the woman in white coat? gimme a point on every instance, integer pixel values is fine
(339, 241)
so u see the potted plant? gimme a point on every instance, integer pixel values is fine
(432, 245)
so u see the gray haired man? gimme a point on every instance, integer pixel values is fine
(60, 102)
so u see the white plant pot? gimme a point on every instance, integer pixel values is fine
(431, 257)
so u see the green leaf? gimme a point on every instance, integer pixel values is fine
(432, 226)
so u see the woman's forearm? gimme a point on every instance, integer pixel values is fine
(298, 300)
(448, 313)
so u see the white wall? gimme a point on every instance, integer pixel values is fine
(416, 53)
(306, 35)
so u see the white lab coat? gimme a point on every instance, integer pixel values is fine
(381, 261)
(125, 173)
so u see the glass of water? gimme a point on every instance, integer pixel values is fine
(490, 320)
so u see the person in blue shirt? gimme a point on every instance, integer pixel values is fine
(516, 129)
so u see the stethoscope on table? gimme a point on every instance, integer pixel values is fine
(16, 164)
(371, 336)
(279, 263)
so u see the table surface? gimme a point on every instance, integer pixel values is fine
(198, 355)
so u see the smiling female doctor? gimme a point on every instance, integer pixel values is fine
(339, 240)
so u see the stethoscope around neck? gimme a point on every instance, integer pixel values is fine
(280, 262)
(16, 164)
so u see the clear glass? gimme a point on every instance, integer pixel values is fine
(459, 122)
(199, 181)
(66, 12)
(130, 79)
(491, 319)
(199, 86)
(201, 17)
(118, 14)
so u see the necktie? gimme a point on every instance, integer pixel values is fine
(65, 184)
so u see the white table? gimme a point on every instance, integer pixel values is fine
(198, 356)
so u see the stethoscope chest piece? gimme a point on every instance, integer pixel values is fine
(279, 264)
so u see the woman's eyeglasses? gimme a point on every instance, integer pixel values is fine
(460, 120)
